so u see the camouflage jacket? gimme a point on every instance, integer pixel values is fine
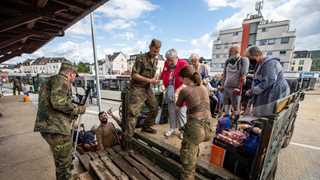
(145, 66)
(55, 108)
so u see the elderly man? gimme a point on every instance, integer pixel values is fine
(173, 84)
(269, 84)
(234, 75)
(140, 92)
(55, 114)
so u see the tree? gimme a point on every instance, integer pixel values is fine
(83, 68)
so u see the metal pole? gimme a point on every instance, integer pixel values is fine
(95, 62)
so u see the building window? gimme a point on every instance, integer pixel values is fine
(235, 33)
(283, 52)
(264, 29)
(271, 41)
(301, 62)
(262, 42)
(218, 47)
(300, 68)
(292, 68)
(285, 40)
(218, 55)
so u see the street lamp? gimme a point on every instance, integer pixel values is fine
(95, 62)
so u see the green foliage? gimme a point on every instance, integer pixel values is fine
(83, 67)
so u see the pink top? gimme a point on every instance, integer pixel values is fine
(165, 74)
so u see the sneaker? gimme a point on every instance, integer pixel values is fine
(149, 130)
(169, 133)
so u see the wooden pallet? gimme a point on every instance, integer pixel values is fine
(115, 164)
(151, 160)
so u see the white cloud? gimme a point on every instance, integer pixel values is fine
(80, 28)
(304, 16)
(132, 9)
(217, 4)
(202, 45)
(118, 24)
(179, 40)
(123, 14)
(152, 27)
(204, 40)
(73, 51)
(127, 36)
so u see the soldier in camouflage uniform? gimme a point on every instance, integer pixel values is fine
(55, 114)
(199, 127)
(140, 92)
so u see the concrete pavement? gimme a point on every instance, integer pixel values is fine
(24, 155)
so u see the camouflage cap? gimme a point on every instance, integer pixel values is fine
(67, 66)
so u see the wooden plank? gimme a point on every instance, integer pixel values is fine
(115, 171)
(85, 176)
(71, 4)
(95, 155)
(19, 21)
(124, 166)
(152, 167)
(100, 170)
(14, 40)
(204, 168)
(92, 155)
(9, 56)
(167, 164)
(84, 160)
(143, 170)
(281, 105)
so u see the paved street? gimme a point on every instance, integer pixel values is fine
(299, 161)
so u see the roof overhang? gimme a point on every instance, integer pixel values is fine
(27, 25)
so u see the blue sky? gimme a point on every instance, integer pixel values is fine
(187, 25)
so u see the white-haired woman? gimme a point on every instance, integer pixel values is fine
(199, 68)
(173, 84)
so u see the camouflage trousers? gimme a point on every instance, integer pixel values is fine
(61, 147)
(138, 97)
(196, 131)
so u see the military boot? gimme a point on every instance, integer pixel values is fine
(149, 130)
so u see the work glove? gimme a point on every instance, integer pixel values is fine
(81, 109)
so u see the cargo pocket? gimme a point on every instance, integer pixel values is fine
(189, 153)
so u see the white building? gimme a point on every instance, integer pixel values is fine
(274, 38)
(42, 65)
(113, 64)
(301, 61)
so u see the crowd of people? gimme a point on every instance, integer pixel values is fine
(191, 96)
